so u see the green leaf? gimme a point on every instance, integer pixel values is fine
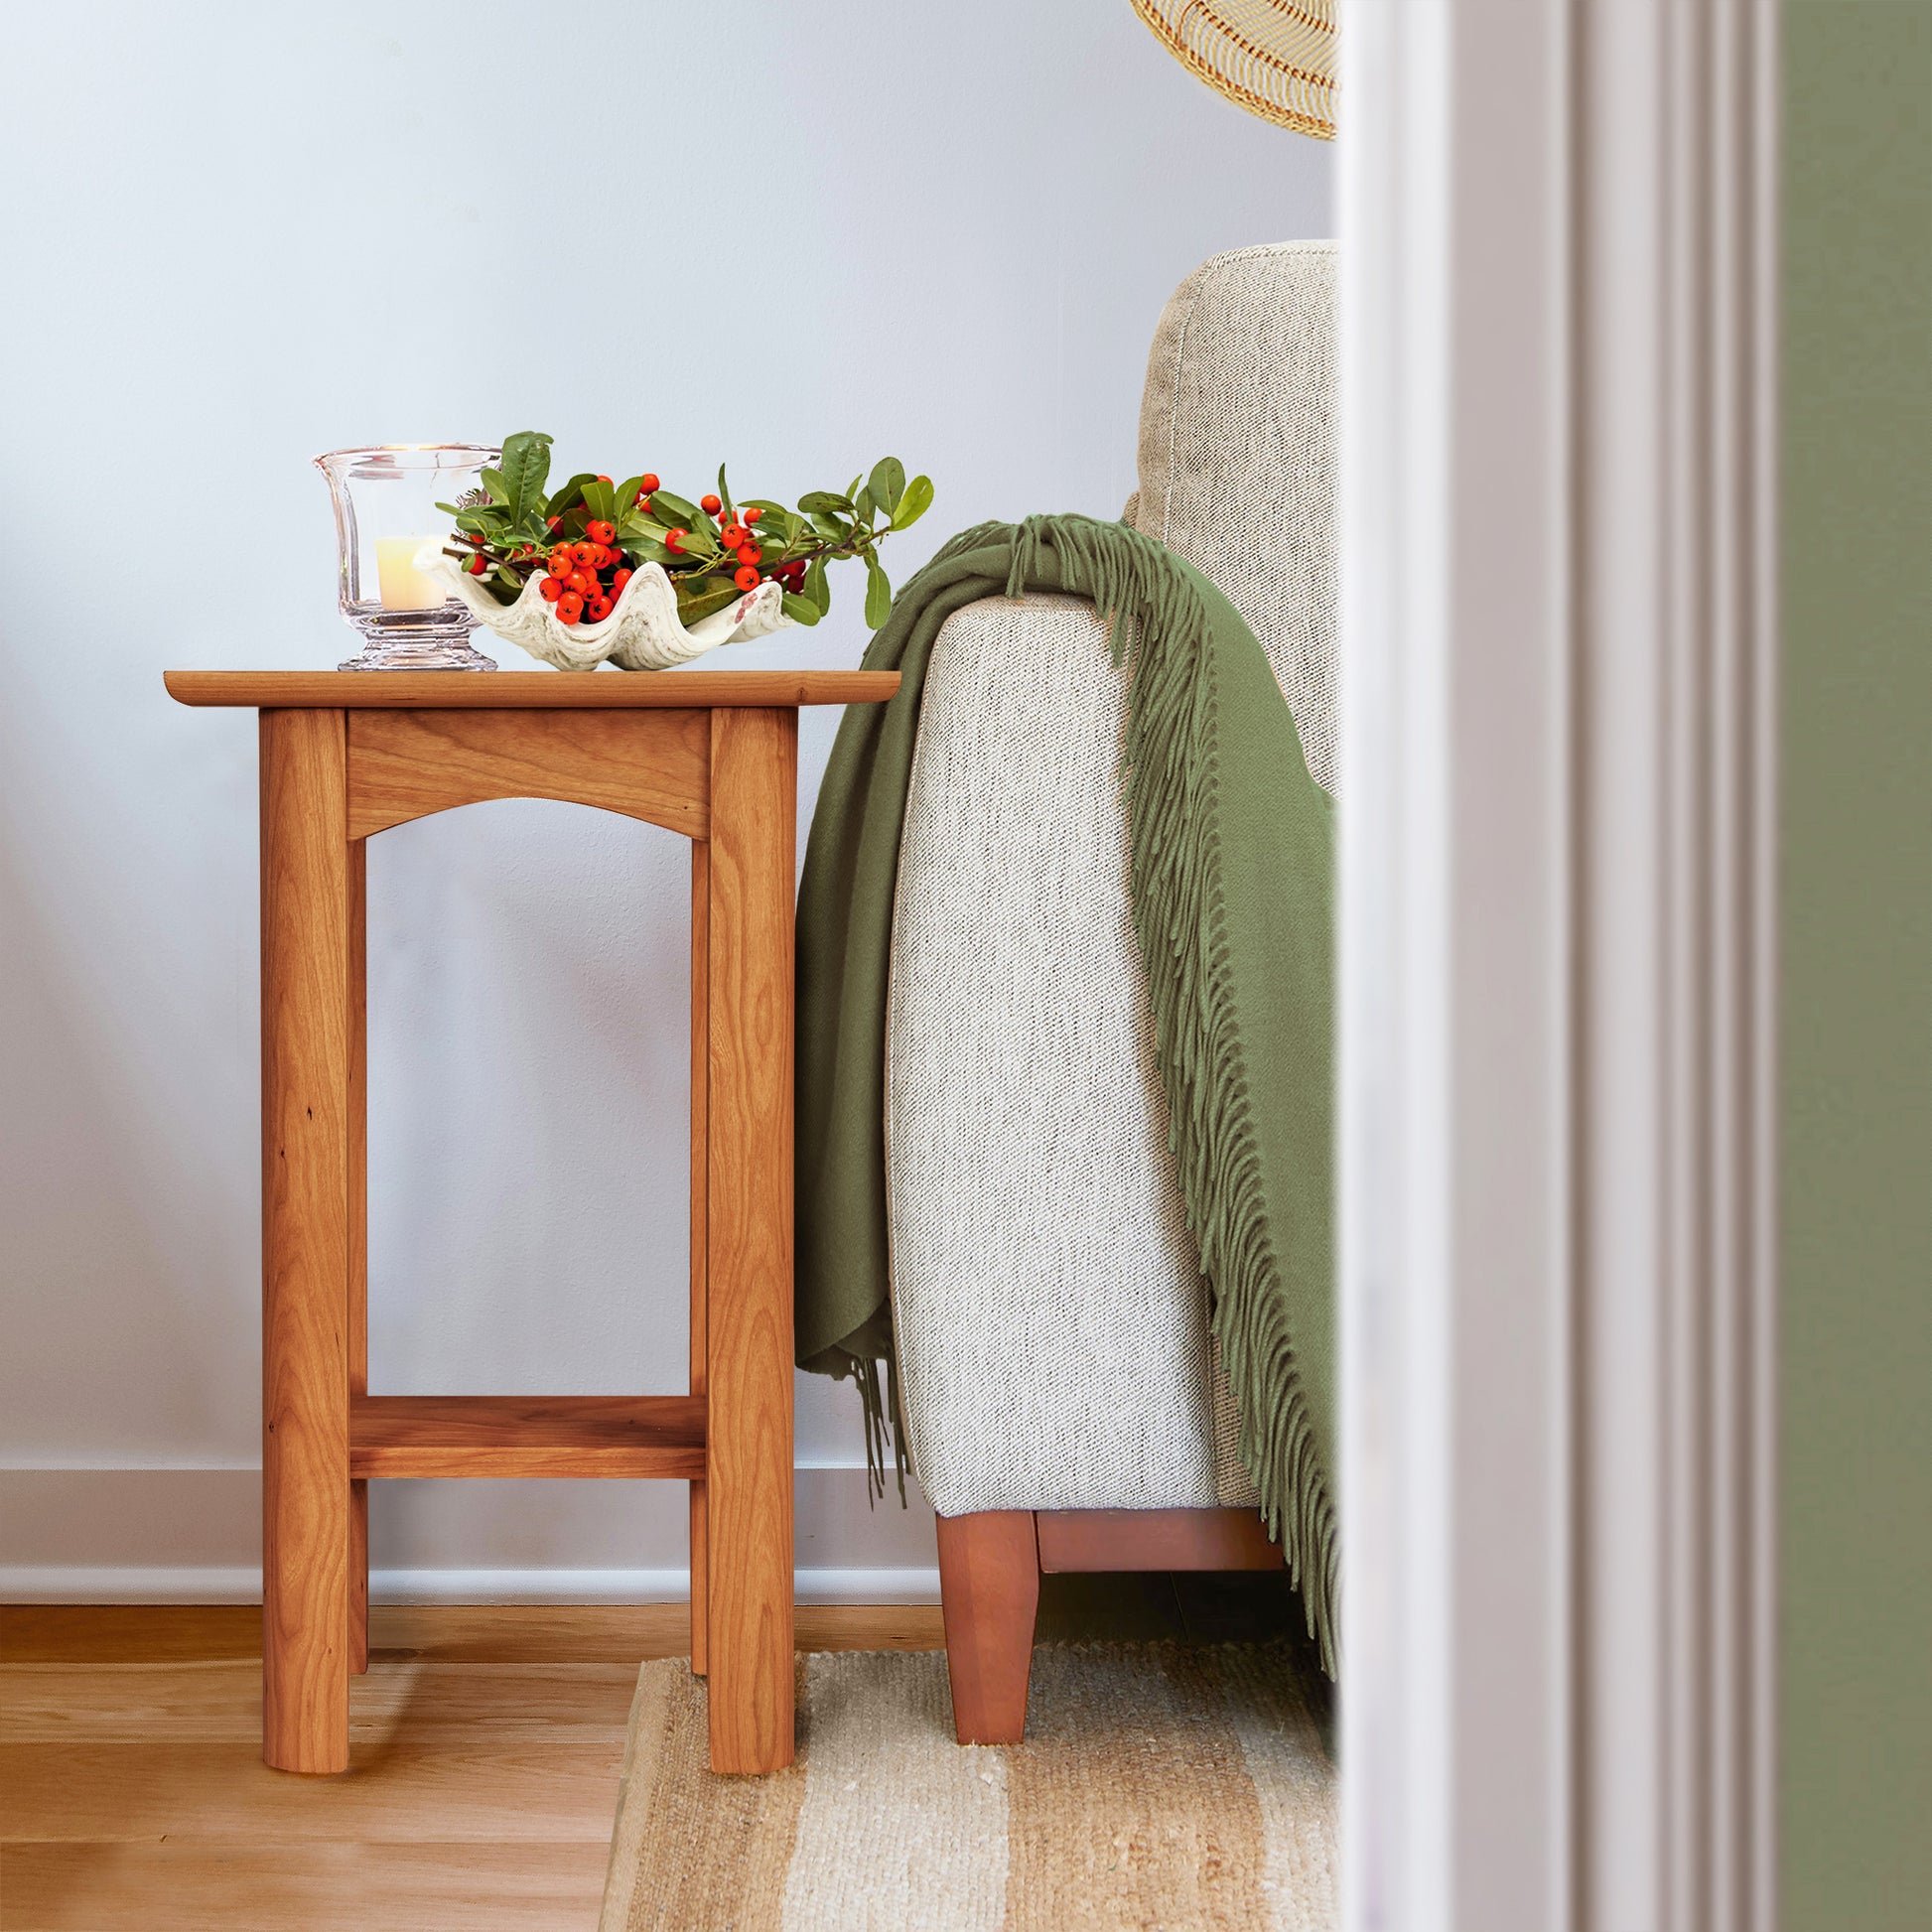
(647, 550)
(887, 482)
(914, 503)
(696, 604)
(599, 500)
(862, 509)
(852, 491)
(492, 481)
(801, 610)
(670, 510)
(627, 494)
(824, 503)
(569, 496)
(780, 527)
(527, 464)
(878, 594)
(725, 497)
(834, 527)
(816, 588)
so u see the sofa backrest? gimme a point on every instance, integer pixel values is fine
(1237, 458)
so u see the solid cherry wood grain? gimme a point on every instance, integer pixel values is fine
(648, 765)
(344, 755)
(1155, 1539)
(359, 1240)
(748, 1232)
(515, 690)
(526, 1436)
(307, 1032)
(989, 1588)
(700, 1185)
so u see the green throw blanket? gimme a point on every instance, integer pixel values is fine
(1231, 879)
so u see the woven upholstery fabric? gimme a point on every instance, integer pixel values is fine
(1032, 1193)
(1050, 1317)
(1237, 458)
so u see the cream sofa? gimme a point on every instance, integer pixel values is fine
(1056, 1362)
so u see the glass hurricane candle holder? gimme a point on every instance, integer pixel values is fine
(385, 512)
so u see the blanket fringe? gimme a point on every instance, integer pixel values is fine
(1180, 921)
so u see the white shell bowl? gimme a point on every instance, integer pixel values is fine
(641, 633)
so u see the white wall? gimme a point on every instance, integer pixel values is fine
(236, 236)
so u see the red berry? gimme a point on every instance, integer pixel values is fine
(477, 541)
(477, 566)
(751, 516)
(619, 580)
(580, 581)
(560, 560)
(570, 607)
(583, 553)
(674, 540)
(552, 588)
(600, 531)
(604, 480)
(749, 553)
(648, 481)
(711, 505)
(731, 536)
(745, 576)
(552, 523)
(600, 609)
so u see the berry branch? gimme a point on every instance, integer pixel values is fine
(584, 541)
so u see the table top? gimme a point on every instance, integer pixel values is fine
(527, 690)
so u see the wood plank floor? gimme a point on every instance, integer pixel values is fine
(485, 1745)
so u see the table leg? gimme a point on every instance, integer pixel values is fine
(305, 1108)
(359, 1238)
(700, 1170)
(747, 1237)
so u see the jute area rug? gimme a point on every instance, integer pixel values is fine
(1158, 1786)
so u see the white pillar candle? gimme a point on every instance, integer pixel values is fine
(404, 586)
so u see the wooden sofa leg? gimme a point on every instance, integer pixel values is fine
(989, 1592)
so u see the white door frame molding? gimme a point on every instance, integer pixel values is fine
(1558, 544)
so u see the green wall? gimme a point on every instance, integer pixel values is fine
(1856, 1664)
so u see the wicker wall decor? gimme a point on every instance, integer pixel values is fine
(1275, 58)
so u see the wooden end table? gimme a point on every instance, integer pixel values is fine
(344, 754)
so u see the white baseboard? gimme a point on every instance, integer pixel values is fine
(237, 1583)
(193, 1535)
